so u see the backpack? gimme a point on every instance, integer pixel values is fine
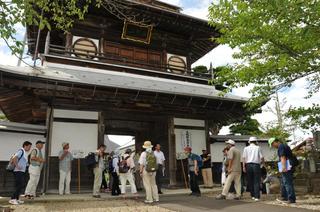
(198, 159)
(110, 166)
(123, 165)
(29, 156)
(90, 160)
(151, 162)
(10, 167)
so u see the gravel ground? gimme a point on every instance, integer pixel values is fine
(311, 202)
(89, 206)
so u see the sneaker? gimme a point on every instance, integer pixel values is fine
(220, 197)
(13, 202)
(252, 198)
(256, 200)
(20, 201)
(160, 192)
(97, 196)
(148, 202)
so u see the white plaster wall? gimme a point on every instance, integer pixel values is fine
(82, 137)
(189, 122)
(10, 142)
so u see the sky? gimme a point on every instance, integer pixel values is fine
(221, 55)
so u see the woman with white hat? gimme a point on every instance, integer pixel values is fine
(148, 169)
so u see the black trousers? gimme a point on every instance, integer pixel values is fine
(194, 184)
(159, 177)
(115, 184)
(254, 179)
(20, 184)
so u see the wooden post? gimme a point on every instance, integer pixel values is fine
(46, 168)
(101, 128)
(172, 153)
(184, 174)
(79, 177)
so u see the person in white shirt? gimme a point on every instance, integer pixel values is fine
(126, 168)
(252, 159)
(115, 189)
(160, 161)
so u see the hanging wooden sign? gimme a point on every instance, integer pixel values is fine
(137, 32)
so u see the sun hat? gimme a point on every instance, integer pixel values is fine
(271, 140)
(147, 144)
(253, 139)
(232, 142)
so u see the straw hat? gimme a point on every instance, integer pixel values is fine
(231, 142)
(147, 144)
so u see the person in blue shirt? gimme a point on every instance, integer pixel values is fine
(193, 172)
(20, 161)
(285, 153)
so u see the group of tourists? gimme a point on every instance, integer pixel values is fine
(145, 168)
(250, 163)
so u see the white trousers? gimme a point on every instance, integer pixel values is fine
(149, 183)
(34, 176)
(124, 177)
(64, 182)
(97, 180)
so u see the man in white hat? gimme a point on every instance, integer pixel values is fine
(65, 160)
(148, 170)
(234, 171)
(252, 159)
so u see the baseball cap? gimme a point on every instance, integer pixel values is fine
(253, 139)
(271, 140)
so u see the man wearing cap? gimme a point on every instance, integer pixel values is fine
(65, 159)
(252, 159)
(193, 172)
(234, 171)
(148, 178)
(285, 153)
(206, 169)
(35, 167)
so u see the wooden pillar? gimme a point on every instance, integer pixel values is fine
(208, 144)
(101, 128)
(172, 153)
(46, 168)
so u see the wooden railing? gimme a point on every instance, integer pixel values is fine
(112, 59)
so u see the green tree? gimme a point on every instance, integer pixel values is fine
(278, 42)
(248, 126)
(200, 69)
(41, 13)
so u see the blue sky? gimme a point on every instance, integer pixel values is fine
(221, 55)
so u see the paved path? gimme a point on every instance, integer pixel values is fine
(185, 203)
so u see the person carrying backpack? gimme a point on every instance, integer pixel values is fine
(194, 163)
(148, 169)
(126, 166)
(19, 161)
(114, 170)
(285, 154)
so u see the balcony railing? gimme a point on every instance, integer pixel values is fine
(110, 60)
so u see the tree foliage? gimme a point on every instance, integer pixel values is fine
(42, 13)
(200, 69)
(248, 126)
(277, 42)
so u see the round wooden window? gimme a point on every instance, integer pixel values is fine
(85, 48)
(177, 65)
